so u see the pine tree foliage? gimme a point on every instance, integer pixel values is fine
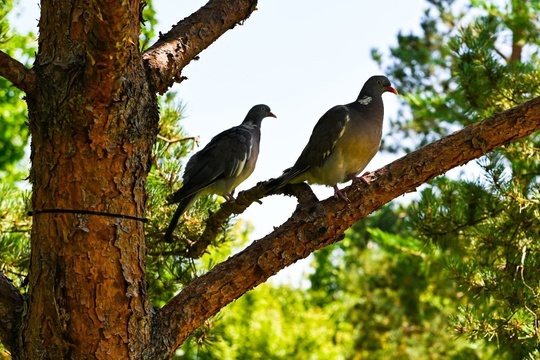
(465, 67)
(14, 237)
(462, 259)
(14, 221)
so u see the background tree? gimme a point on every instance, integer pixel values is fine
(93, 116)
(467, 69)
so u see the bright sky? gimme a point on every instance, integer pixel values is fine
(299, 57)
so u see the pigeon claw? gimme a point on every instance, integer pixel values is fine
(340, 194)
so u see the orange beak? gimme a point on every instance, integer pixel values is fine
(392, 90)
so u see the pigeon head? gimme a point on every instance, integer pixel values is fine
(257, 113)
(376, 86)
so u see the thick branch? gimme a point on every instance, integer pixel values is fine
(11, 305)
(316, 225)
(185, 41)
(17, 73)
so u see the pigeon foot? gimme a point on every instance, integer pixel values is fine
(340, 194)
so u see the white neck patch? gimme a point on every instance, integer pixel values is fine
(250, 126)
(365, 100)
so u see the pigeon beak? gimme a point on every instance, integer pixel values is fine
(392, 90)
(272, 114)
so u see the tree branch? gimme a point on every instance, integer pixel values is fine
(214, 223)
(11, 306)
(315, 225)
(184, 42)
(17, 73)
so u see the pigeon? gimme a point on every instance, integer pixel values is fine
(343, 141)
(222, 165)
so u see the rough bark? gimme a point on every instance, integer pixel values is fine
(93, 119)
(315, 225)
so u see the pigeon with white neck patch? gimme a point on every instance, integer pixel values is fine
(343, 142)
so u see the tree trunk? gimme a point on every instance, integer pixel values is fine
(93, 120)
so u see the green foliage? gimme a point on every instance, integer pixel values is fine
(420, 67)
(393, 289)
(5, 7)
(14, 222)
(273, 323)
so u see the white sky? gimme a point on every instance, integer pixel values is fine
(300, 57)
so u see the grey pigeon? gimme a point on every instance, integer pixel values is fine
(343, 142)
(227, 160)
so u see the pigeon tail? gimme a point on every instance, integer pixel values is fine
(182, 205)
(284, 179)
(276, 183)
